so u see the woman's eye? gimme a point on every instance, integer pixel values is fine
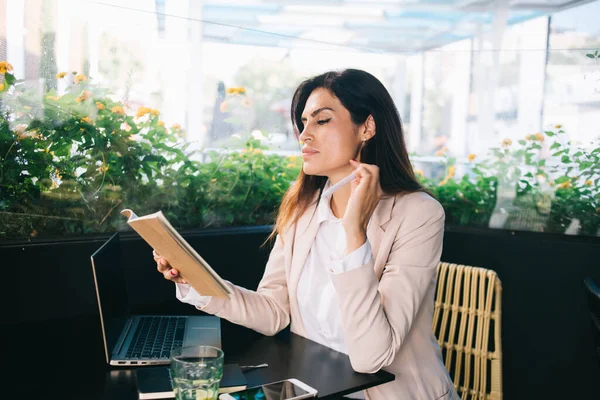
(323, 121)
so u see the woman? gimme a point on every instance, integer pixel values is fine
(354, 271)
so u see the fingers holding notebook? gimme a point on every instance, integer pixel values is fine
(168, 272)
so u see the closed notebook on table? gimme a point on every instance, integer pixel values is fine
(155, 382)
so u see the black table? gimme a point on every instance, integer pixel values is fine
(65, 359)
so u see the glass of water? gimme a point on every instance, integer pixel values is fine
(196, 372)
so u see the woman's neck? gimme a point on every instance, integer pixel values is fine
(339, 200)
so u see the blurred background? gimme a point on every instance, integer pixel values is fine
(473, 81)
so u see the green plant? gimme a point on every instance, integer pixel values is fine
(69, 163)
(72, 162)
(551, 181)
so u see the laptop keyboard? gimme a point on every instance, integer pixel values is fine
(156, 336)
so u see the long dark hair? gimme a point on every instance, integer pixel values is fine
(362, 95)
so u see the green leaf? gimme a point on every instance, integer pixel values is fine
(565, 159)
(522, 142)
(590, 55)
(562, 179)
(9, 79)
(153, 158)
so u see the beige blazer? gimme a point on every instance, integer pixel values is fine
(386, 304)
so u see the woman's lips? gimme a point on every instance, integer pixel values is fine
(308, 153)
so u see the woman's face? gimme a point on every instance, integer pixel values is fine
(330, 138)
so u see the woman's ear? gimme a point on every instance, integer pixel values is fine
(369, 128)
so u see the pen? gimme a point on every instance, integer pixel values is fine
(338, 185)
(245, 368)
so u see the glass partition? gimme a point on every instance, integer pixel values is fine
(183, 106)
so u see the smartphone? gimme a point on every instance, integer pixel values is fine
(288, 389)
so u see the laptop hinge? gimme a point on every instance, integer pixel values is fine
(121, 341)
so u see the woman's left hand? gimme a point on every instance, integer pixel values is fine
(366, 193)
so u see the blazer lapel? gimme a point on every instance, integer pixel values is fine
(304, 236)
(376, 229)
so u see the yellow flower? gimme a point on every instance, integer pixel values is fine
(471, 157)
(558, 126)
(257, 151)
(1, 87)
(588, 182)
(530, 137)
(85, 95)
(20, 131)
(118, 110)
(565, 185)
(161, 124)
(87, 120)
(419, 172)
(451, 171)
(236, 90)
(99, 106)
(443, 182)
(61, 75)
(292, 158)
(80, 78)
(146, 110)
(213, 180)
(506, 142)
(102, 168)
(176, 127)
(5, 67)
(55, 98)
(441, 151)
(539, 137)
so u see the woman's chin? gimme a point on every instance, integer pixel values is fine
(312, 170)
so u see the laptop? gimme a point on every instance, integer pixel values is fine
(141, 339)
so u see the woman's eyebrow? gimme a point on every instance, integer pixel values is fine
(317, 111)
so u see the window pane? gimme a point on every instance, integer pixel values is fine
(183, 106)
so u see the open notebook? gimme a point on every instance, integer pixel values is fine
(156, 230)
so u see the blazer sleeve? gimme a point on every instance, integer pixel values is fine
(266, 310)
(377, 315)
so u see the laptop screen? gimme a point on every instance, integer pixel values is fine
(111, 291)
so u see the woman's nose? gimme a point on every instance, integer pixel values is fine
(305, 135)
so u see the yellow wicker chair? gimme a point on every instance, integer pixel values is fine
(466, 321)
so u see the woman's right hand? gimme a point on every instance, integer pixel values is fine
(168, 272)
